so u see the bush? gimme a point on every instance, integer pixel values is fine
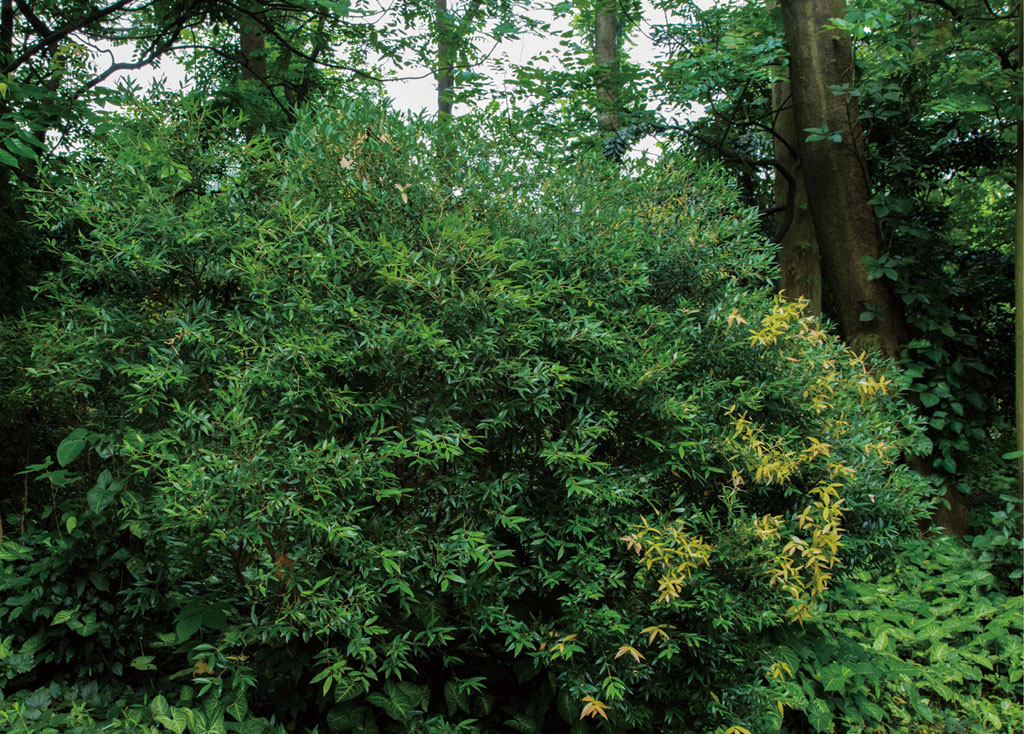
(373, 431)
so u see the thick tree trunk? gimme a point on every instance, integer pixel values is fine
(800, 270)
(606, 53)
(838, 191)
(836, 174)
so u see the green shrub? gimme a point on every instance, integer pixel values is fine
(383, 429)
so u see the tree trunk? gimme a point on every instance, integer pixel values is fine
(799, 267)
(838, 188)
(253, 46)
(838, 191)
(450, 36)
(1018, 270)
(6, 30)
(606, 48)
(445, 61)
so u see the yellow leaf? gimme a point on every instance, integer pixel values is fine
(653, 633)
(595, 708)
(631, 650)
(735, 318)
(201, 668)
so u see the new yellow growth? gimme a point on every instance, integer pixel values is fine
(673, 550)
(593, 708)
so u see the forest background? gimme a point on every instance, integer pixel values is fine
(323, 417)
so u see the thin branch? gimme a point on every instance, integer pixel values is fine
(957, 15)
(152, 55)
(33, 20)
(64, 32)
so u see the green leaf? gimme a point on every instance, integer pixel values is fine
(179, 719)
(238, 708)
(70, 448)
(819, 715)
(456, 698)
(159, 706)
(215, 618)
(400, 700)
(835, 676)
(143, 662)
(176, 722)
(8, 159)
(188, 626)
(19, 148)
(199, 725)
(106, 489)
(99, 581)
(348, 688)
(71, 523)
(63, 616)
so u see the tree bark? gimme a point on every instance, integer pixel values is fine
(253, 46)
(838, 187)
(606, 54)
(799, 267)
(1018, 270)
(445, 62)
(6, 30)
(448, 51)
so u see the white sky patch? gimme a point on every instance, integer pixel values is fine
(420, 94)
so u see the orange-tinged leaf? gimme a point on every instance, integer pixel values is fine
(594, 708)
(653, 633)
(632, 651)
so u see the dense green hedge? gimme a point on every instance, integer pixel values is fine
(372, 431)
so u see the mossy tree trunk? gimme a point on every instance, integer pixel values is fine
(836, 175)
(451, 34)
(606, 57)
(799, 266)
(838, 191)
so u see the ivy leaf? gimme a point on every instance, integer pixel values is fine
(456, 697)
(159, 707)
(818, 715)
(835, 676)
(63, 616)
(238, 707)
(176, 722)
(143, 662)
(348, 688)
